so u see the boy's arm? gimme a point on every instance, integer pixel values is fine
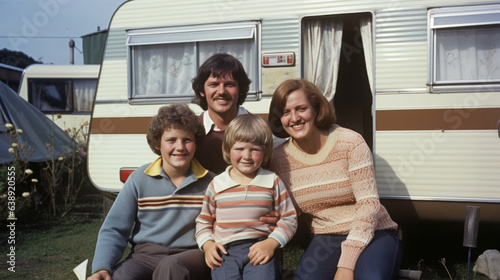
(100, 275)
(206, 219)
(204, 230)
(115, 232)
(262, 251)
(287, 225)
(212, 257)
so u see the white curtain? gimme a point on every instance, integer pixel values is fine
(167, 69)
(468, 54)
(365, 25)
(84, 92)
(241, 49)
(322, 40)
(164, 69)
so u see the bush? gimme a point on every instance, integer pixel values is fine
(29, 190)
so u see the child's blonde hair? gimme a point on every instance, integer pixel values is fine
(248, 128)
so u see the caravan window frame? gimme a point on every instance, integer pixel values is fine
(70, 94)
(442, 20)
(244, 33)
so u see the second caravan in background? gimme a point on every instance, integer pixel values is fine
(65, 90)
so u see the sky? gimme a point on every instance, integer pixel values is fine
(42, 29)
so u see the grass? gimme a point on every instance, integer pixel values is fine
(53, 252)
(50, 250)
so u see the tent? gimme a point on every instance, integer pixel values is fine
(37, 130)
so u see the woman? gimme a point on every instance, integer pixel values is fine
(329, 172)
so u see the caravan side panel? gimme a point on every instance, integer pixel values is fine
(428, 147)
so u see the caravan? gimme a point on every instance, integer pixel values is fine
(61, 90)
(420, 80)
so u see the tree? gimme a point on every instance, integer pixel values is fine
(16, 59)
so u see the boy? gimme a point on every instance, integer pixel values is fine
(157, 207)
(239, 197)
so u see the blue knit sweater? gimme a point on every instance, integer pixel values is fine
(150, 209)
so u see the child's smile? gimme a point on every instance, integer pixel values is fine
(246, 158)
(177, 149)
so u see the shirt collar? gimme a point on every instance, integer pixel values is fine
(209, 124)
(264, 179)
(155, 168)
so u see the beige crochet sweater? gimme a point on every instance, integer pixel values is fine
(337, 188)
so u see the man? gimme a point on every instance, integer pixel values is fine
(221, 87)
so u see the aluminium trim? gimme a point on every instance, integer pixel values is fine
(116, 101)
(443, 199)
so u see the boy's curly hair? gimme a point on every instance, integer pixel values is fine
(173, 116)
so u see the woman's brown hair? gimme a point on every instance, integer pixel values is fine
(325, 112)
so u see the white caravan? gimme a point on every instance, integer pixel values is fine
(420, 80)
(64, 90)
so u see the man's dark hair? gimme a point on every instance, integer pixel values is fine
(219, 66)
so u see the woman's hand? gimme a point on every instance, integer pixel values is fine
(271, 218)
(262, 251)
(100, 275)
(212, 257)
(344, 274)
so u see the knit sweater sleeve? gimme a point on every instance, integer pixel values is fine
(205, 221)
(287, 225)
(115, 231)
(362, 179)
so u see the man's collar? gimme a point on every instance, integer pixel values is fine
(208, 123)
(264, 179)
(155, 168)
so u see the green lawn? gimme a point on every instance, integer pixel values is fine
(52, 253)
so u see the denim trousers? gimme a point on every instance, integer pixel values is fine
(236, 264)
(380, 260)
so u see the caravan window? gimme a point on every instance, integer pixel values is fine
(464, 50)
(62, 95)
(163, 61)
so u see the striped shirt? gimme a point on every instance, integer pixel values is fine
(238, 209)
(151, 209)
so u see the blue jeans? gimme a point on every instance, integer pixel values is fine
(380, 260)
(236, 264)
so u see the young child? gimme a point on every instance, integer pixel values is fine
(239, 197)
(156, 209)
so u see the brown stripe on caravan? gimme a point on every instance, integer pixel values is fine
(431, 119)
(420, 119)
(131, 125)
